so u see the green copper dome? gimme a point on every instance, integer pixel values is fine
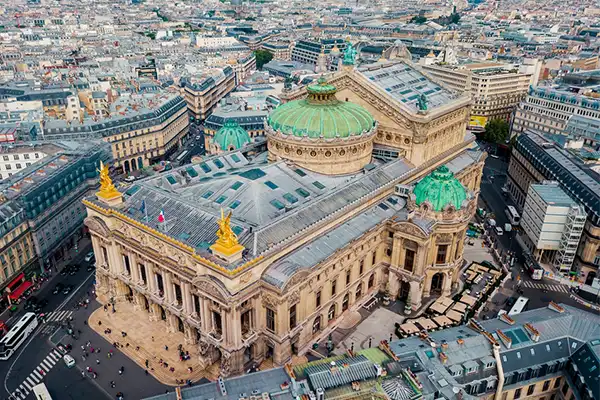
(231, 136)
(440, 188)
(321, 115)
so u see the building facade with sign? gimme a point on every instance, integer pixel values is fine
(257, 256)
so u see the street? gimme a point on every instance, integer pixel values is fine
(539, 293)
(38, 359)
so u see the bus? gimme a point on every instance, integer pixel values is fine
(519, 306)
(180, 158)
(533, 268)
(17, 335)
(40, 391)
(512, 215)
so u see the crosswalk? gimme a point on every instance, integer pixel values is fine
(547, 286)
(57, 316)
(37, 375)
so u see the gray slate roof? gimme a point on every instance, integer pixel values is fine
(346, 370)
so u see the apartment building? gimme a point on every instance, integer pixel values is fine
(17, 253)
(496, 88)
(281, 50)
(308, 51)
(202, 93)
(553, 223)
(142, 129)
(558, 111)
(15, 157)
(534, 159)
(47, 196)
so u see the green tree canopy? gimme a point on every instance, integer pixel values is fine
(419, 19)
(262, 57)
(496, 131)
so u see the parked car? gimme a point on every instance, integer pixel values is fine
(67, 289)
(89, 256)
(58, 288)
(130, 179)
(91, 267)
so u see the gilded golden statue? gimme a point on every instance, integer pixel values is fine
(107, 188)
(227, 245)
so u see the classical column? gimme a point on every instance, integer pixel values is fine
(116, 260)
(420, 261)
(205, 315)
(447, 287)
(394, 284)
(135, 272)
(396, 251)
(169, 287)
(415, 295)
(187, 298)
(427, 286)
(234, 327)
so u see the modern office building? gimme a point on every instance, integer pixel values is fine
(317, 226)
(142, 129)
(534, 160)
(203, 93)
(553, 223)
(496, 88)
(549, 353)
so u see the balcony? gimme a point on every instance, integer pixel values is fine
(248, 336)
(216, 337)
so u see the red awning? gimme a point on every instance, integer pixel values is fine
(19, 291)
(17, 279)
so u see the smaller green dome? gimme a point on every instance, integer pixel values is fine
(231, 136)
(440, 188)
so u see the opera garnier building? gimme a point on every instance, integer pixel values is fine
(366, 183)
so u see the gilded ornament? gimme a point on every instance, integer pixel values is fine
(107, 188)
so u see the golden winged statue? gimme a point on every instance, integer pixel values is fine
(227, 238)
(107, 188)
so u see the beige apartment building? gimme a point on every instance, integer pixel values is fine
(496, 88)
(203, 93)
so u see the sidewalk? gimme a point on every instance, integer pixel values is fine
(143, 346)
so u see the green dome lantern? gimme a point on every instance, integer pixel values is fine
(231, 136)
(321, 115)
(440, 188)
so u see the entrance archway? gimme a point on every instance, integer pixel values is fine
(437, 282)
(133, 165)
(248, 351)
(140, 163)
(359, 291)
(404, 290)
(590, 278)
(345, 302)
(316, 325)
(331, 313)
(126, 166)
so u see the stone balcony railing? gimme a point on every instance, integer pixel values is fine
(215, 337)
(249, 336)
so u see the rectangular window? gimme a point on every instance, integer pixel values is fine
(557, 383)
(530, 390)
(318, 300)
(347, 278)
(293, 316)
(441, 254)
(270, 320)
(374, 261)
(105, 256)
(517, 394)
(361, 267)
(332, 288)
(409, 260)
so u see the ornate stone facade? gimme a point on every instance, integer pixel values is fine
(234, 314)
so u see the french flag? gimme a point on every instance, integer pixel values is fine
(161, 216)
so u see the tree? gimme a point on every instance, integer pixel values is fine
(419, 19)
(262, 57)
(496, 131)
(454, 18)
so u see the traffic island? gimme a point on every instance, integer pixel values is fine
(147, 340)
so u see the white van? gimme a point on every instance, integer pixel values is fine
(499, 231)
(69, 361)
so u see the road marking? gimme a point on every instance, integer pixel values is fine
(44, 367)
(30, 381)
(37, 375)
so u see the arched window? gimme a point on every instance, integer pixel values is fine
(317, 325)
(359, 291)
(371, 281)
(345, 302)
(331, 313)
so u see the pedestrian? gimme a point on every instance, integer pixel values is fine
(83, 374)
(99, 323)
(126, 344)
(82, 347)
(146, 372)
(166, 348)
(97, 361)
(83, 358)
(88, 343)
(147, 363)
(137, 348)
(153, 338)
(84, 321)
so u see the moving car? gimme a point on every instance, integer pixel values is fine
(89, 256)
(129, 179)
(58, 288)
(69, 361)
(67, 289)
